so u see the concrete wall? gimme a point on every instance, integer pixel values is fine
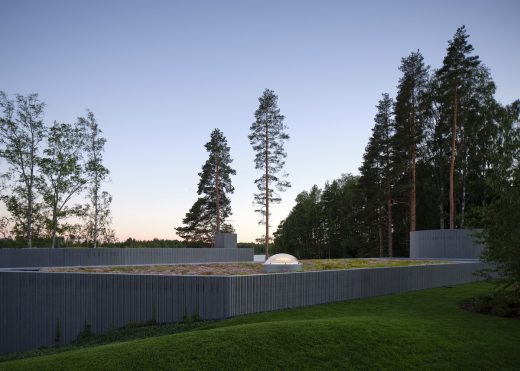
(42, 257)
(34, 303)
(445, 244)
(251, 294)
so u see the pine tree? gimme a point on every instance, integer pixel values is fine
(215, 179)
(197, 227)
(332, 216)
(411, 116)
(435, 154)
(208, 215)
(500, 235)
(454, 83)
(506, 148)
(378, 174)
(267, 139)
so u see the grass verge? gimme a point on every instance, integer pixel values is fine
(418, 330)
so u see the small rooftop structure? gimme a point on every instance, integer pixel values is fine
(279, 263)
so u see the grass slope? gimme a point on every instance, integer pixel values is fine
(419, 330)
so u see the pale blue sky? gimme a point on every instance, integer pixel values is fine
(160, 75)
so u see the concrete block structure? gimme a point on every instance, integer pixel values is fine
(445, 244)
(226, 241)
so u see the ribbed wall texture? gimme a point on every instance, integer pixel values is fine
(34, 304)
(250, 294)
(42, 257)
(445, 244)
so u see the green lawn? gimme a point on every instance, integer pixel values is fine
(419, 330)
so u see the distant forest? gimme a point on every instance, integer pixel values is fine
(440, 152)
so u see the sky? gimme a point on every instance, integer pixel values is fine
(161, 75)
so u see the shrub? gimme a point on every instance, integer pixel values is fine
(500, 303)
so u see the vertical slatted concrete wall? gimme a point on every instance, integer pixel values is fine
(251, 294)
(43, 257)
(445, 244)
(32, 303)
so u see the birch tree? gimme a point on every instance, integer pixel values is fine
(21, 132)
(97, 211)
(62, 173)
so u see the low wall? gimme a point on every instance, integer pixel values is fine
(445, 244)
(68, 257)
(35, 304)
(248, 294)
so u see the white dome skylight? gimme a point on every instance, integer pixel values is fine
(282, 259)
(282, 263)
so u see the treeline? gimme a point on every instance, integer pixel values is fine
(52, 178)
(133, 243)
(324, 223)
(439, 153)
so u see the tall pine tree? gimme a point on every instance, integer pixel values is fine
(208, 215)
(454, 85)
(411, 115)
(378, 174)
(267, 139)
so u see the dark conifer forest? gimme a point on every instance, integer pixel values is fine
(441, 152)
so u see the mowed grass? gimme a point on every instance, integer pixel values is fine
(418, 330)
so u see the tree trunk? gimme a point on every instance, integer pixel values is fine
(54, 228)
(389, 226)
(30, 192)
(413, 200)
(217, 197)
(463, 201)
(441, 215)
(96, 216)
(380, 230)
(441, 203)
(29, 219)
(96, 197)
(266, 192)
(413, 155)
(452, 162)
(463, 176)
(30, 197)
